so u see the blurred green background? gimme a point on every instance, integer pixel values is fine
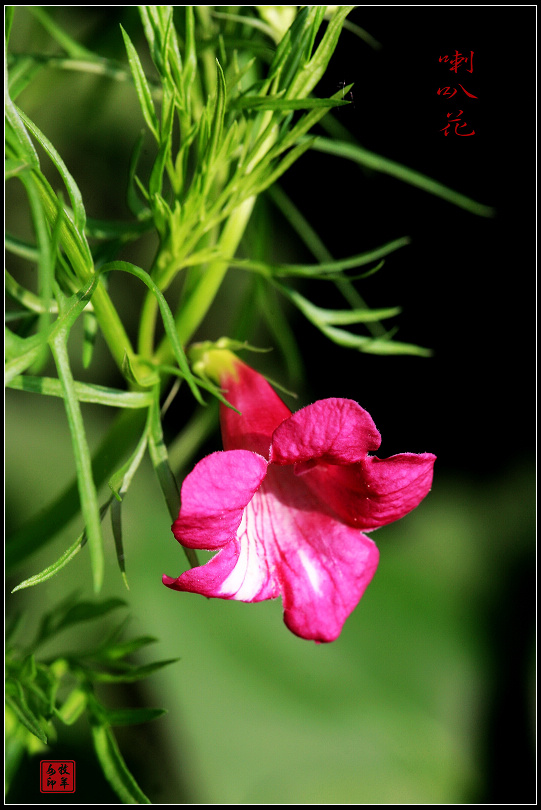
(428, 696)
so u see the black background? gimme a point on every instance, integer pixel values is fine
(466, 283)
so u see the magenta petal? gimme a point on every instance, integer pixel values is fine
(239, 571)
(376, 491)
(214, 496)
(207, 579)
(261, 409)
(325, 583)
(335, 431)
(322, 565)
(396, 485)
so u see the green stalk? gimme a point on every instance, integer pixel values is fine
(112, 327)
(196, 307)
(164, 473)
(147, 326)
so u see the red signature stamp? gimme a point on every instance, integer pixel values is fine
(57, 776)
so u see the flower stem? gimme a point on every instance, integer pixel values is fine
(111, 326)
(191, 315)
(147, 326)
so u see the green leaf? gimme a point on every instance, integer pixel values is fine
(129, 673)
(141, 85)
(85, 611)
(132, 198)
(71, 46)
(71, 308)
(62, 561)
(362, 34)
(131, 717)
(116, 525)
(75, 196)
(53, 569)
(371, 345)
(16, 700)
(202, 382)
(8, 22)
(155, 184)
(290, 139)
(344, 317)
(310, 74)
(323, 319)
(84, 392)
(18, 137)
(83, 465)
(114, 767)
(47, 245)
(119, 484)
(73, 240)
(173, 59)
(71, 611)
(381, 164)
(155, 21)
(190, 54)
(217, 124)
(384, 346)
(284, 104)
(328, 269)
(291, 51)
(250, 22)
(122, 478)
(117, 650)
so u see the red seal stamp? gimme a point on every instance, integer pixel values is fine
(57, 776)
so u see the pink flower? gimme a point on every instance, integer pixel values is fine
(287, 501)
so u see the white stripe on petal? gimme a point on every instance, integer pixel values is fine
(312, 571)
(250, 580)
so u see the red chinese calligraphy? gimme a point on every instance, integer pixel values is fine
(446, 91)
(456, 60)
(458, 125)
